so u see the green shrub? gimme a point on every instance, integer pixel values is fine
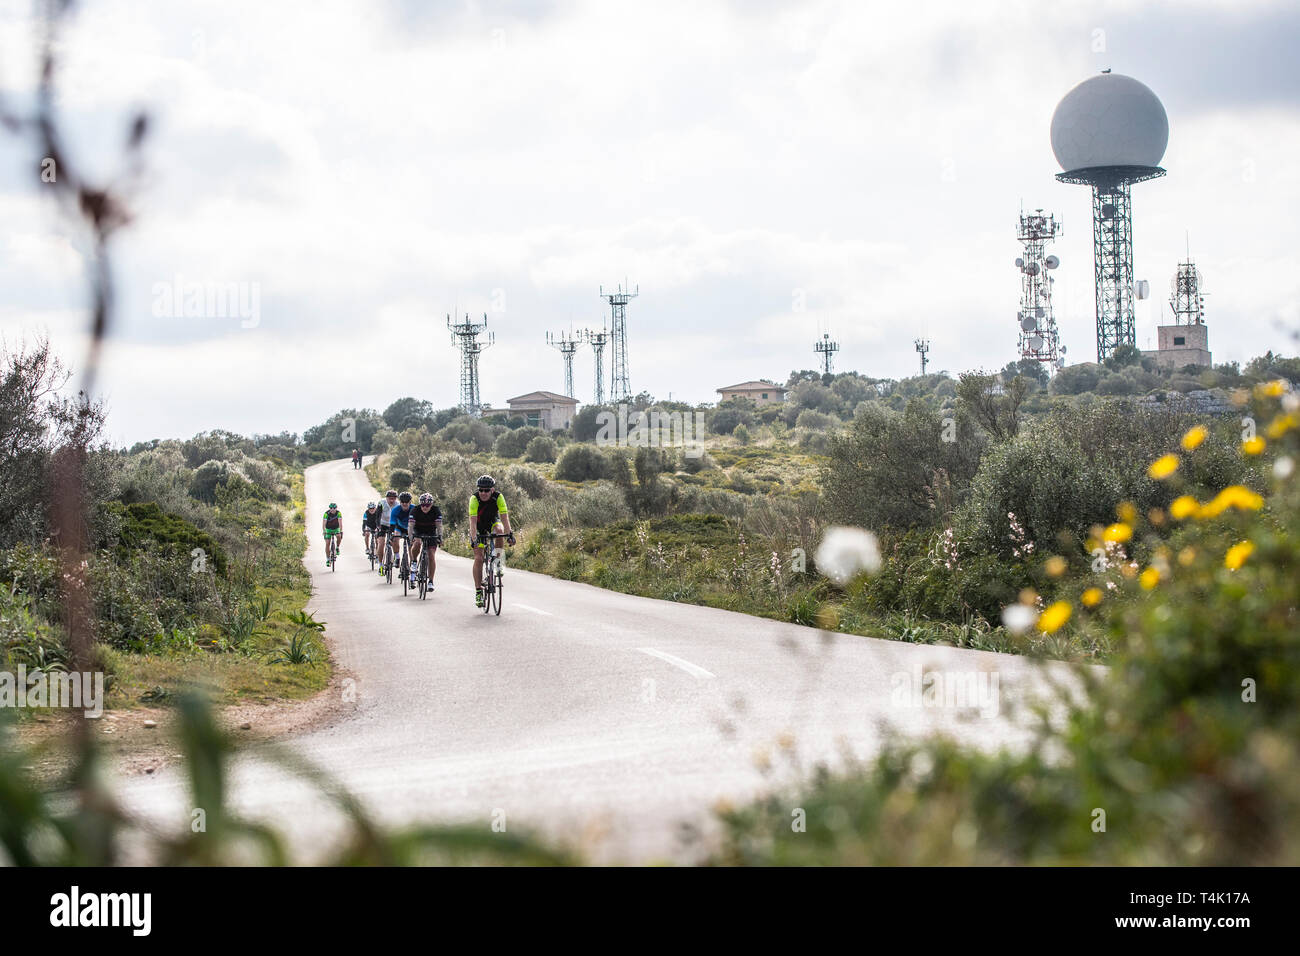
(541, 448)
(582, 463)
(513, 443)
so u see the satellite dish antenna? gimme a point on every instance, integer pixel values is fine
(1035, 342)
(1027, 324)
(1039, 312)
(1020, 263)
(1051, 262)
(1032, 268)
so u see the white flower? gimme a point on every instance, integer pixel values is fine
(846, 552)
(1018, 618)
(1283, 467)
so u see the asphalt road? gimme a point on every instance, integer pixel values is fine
(592, 716)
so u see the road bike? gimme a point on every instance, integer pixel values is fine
(405, 568)
(332, 551)
(390, 554)
(493, 572)
(422, 582)
(370, 549)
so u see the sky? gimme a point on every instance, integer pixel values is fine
(762, 172)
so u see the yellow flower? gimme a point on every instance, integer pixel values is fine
(1237, 555)
(1163, 467)
(1126, 512)
(1253, 446)
(1274, 389)
(1050, 621)
(1194, 437)
(1281, 425)
(1184, 506)
(1118, 532)
(1055, 566)
(1234, 496)
(1149, 579)
(1091, 597)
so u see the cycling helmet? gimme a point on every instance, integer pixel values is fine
(404, 497)
(333, 506)
(390, 493)
(426, 499)
(372, 506)
(486, 481)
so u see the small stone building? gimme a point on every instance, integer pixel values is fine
(543, 409)
(760, 392)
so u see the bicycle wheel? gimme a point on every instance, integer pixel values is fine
(334, 556)
(388, 566)
(406, 573)
(497, 590)
(422, 574)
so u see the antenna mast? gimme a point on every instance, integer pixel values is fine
(620, 385)
(567, 344)
(923, 347)
(1040, 340)
(827, 348)
(597, 341)
(465, 336)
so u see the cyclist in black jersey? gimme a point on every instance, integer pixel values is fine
(425, 526)
(370, 523)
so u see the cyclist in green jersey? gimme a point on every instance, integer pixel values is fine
(332, 525)
(487, 515)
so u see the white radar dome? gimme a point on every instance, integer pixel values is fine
(1109, 120)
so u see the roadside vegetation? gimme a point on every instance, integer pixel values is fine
(967, 482)
(1185, 753)
(195, 558)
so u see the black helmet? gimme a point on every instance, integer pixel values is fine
(486, 481)
(404, 497)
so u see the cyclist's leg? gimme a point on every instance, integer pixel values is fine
(478, 566)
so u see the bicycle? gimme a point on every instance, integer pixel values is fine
(390, 554)
(405, 569)
(422, 582)
(493, 572)
(370, 549)
(331, 551)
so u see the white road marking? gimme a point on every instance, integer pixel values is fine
(535, 610)
(687, 666)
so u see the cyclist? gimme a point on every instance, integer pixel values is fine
(356, 458)
(399, 520)
(370, 524)
(487, 515)
(331, 523)
(426, 527)
(385, 509)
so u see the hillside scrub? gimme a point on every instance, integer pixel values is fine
(1185, 754)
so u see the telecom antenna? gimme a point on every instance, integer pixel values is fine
(465, 336)
(1040, 340)
(1110, 132)
(827, 348)
(1185, 295)
(620, 385)
(567, 344)
(597, 341)
(923, 346)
